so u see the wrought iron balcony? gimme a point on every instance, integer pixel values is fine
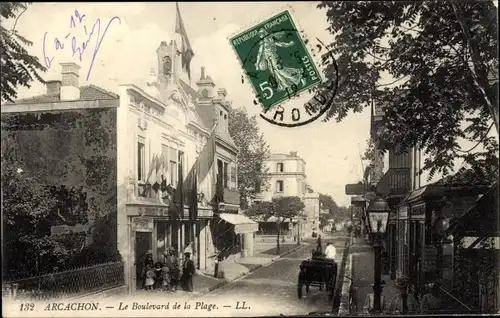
(396, 181)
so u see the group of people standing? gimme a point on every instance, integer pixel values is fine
(168, 275)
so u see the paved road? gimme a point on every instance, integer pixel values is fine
(272, 290)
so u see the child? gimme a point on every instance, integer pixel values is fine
(158, 275)
(165, 272)
(150, 274)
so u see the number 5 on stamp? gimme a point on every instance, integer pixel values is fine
(276, 60)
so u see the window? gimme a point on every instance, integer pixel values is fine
(164, 154)
(221, 113)
(180, 160)
(279, 186)
(233, 176)
(141, 150)
(225, 116)
(226, 176)
(279, 167)
(173, 167)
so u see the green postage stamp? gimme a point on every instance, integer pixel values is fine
(276, 60)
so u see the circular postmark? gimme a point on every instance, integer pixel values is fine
(280, 69)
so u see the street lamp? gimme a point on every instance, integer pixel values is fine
(378, 214)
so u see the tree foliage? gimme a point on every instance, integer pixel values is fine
(326, 202)
(253, 150)
(261, 210)
(288, 207)
(283, 207)
(27, 207)
(443, 57)
(18, 67)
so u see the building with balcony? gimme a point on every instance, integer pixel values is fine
(129, 152)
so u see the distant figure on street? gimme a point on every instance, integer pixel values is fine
(431, 302)
(188, 271)
(330, 251)
(319, 247)
(403, 303)
(370, 301)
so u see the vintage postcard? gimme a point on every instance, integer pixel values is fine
(249, 159)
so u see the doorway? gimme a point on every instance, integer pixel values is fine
(143, 243)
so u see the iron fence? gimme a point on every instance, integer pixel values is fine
(81, 281)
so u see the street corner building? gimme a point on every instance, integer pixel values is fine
(287, 177)
(155, 160)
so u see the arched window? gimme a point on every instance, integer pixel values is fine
(204, 93)
(167, 65)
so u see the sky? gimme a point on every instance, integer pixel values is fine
(127, 53)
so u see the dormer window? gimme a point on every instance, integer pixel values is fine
(204, 93)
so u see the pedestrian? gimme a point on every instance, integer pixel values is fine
(166, 283)
(150, 278)
(431, 302)
(403, 303)
(330, 251)
(172, 262)
(158, 275)
(319, 247)
(148, 261)
(188, 271)
(370, 301)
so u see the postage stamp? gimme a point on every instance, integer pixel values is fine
(276, 60)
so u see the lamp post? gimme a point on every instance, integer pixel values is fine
(378, 214)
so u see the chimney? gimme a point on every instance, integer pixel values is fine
(53, 87)
(293, 153)
(70, 89)
(222, 93)
(202, 72)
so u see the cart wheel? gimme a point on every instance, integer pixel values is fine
(299, 289)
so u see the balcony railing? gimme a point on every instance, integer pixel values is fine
(64, 284)
(395, 181)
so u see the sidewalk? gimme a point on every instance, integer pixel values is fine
(363, 259)
(205, 282)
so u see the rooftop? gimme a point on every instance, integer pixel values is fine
(87, 92)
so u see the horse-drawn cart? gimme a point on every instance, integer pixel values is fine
(317, 271)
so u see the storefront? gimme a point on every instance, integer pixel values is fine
(239, 231)
(150, 227)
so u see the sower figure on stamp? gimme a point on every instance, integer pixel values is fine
(269, 59)
(188, 270)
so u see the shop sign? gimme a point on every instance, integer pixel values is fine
(142, 224)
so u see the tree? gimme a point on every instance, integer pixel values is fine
(288, 207)
(26, 210)
(326, 202)
(443, 56)
(253, 150)
(260, 210)
(18, 67)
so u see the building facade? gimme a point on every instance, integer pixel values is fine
(287, 177)
(145, 139)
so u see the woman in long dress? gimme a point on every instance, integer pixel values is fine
(269, 59)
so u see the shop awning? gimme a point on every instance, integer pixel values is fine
(241, 223)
